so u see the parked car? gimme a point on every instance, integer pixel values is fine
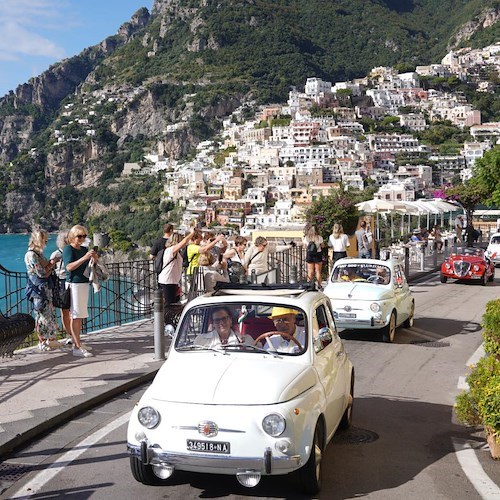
(256, 383)
(493, 250)
(370, 294)
(468, 263)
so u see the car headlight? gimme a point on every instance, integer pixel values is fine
(475, 268)
(375, 307)
(274, 424)
(447, 266)
(148, 417)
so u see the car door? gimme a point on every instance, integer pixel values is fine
(330, 363)
(402, 294)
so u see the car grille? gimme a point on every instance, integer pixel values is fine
(461, 268)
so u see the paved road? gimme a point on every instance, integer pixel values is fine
(401, 446)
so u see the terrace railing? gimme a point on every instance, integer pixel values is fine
(128, 295)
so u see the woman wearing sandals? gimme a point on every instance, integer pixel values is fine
(76, 258)
(38, 291)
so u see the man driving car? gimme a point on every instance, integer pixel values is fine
(284, 320)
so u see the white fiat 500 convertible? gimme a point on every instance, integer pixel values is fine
(256, 383)
(370, 294)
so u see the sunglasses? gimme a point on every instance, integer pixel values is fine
(83, 236)
(279, 321)
(217, 321)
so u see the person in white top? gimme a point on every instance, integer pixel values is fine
(256, 257)
(170, 275)
(339, 242)
(284, 320)
(212, 274)
(222, 333)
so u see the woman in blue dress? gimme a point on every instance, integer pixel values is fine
(38, 291)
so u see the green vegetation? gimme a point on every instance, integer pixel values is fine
(339, 206)
(480, 405)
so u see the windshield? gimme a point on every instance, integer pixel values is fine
(478, 252)
(495, 240)
(249, 327)
(362, 272)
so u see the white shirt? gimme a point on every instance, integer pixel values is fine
(339, 244)
(279, 344)
(172, 270)
(212, 339)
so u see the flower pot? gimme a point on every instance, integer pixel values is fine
(494, 446)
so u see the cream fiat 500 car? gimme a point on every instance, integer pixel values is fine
(370, 294)
(256, 383)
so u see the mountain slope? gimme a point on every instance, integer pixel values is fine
(193, 62)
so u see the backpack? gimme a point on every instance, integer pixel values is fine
(158, 265)
(184, 254)
(312, 249)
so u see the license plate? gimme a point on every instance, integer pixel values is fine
(209, 446)
(347, 315)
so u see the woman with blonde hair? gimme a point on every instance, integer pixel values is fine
(314, 245)
(39, 292)
(339, 242)
(76, 257)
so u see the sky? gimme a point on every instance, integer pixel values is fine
(34, 34)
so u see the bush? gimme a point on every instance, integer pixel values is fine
(480, 405)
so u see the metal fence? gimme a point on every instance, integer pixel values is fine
(128, 295)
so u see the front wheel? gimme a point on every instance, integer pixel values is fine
(484, 279)
(144, 473)
(443, 279)
(310, 475)
(389, 331)
(492, 277)
(409, 322)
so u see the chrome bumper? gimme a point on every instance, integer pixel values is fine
(266, 464)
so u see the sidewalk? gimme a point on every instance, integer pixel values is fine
(41, 390)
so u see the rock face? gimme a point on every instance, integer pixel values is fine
(486, 19)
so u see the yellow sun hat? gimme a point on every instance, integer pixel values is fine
(277, 312)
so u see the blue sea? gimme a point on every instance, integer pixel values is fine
(14, 246)
(12, 250)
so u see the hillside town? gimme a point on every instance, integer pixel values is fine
(264, 172)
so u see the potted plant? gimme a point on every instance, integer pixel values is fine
(480, 404)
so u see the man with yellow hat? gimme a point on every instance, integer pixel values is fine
(284, 320)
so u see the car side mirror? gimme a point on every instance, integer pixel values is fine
(169, 331)
(322, 339)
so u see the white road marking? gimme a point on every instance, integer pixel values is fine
(466, 456)
(43, 477)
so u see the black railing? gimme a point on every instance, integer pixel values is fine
(128, 295)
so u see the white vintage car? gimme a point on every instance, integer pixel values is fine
(256, 383)
(493, 250)
(370, 294)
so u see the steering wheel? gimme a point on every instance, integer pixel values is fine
(375, 278)
(283, 334)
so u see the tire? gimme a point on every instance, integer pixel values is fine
(389, 331)
(484, 279)
(144, 473)
(409, 322)
(443, 279)
(492, 277)
(346, 421)
(309, 476)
